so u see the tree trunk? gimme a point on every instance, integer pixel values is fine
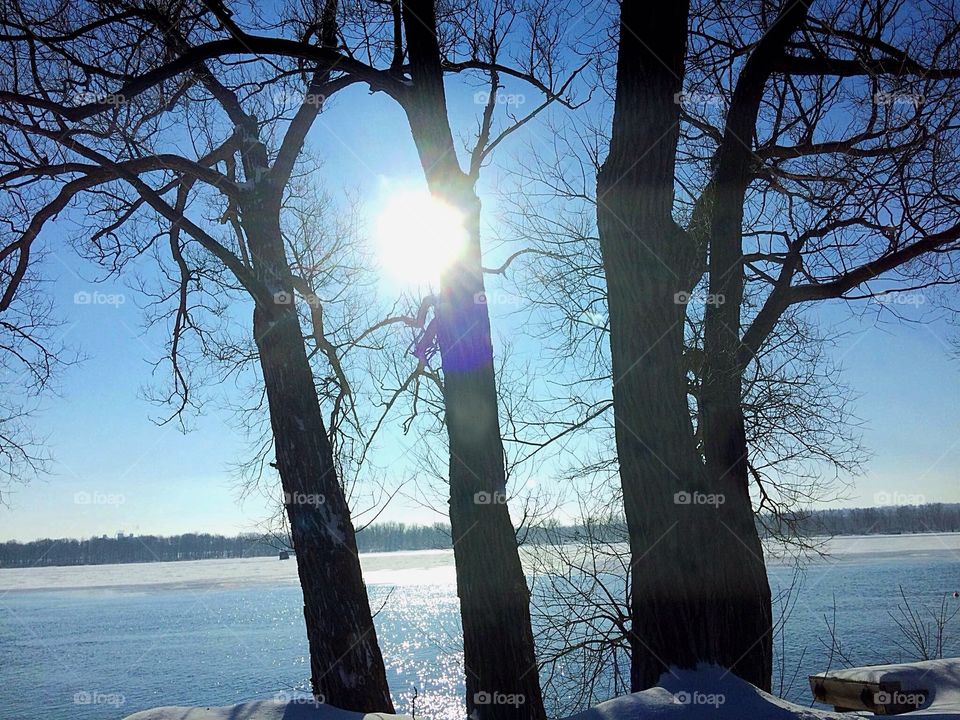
(502, 677)
(750, 615)
(724, 438)
(346, 665)
(689, 600)
(721, 409)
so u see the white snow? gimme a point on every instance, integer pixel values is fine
(707, 693)
(261, 710)
(421, 567)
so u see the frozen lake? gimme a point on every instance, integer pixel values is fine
(78, 643)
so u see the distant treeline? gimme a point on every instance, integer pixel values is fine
(393, 536)
(130, 549)
(930, 518)
(382, 537)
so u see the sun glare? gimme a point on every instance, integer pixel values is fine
(418, 237)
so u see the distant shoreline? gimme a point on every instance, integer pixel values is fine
(382, 564)
(385, 569)
(391, 537)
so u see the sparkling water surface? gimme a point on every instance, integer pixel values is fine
(102, 642)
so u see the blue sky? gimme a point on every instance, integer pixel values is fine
(145, 478)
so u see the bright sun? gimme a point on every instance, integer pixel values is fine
(418, 237)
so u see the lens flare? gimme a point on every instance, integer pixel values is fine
(418, 238)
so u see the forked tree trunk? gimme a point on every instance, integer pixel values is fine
(502, 678)
(346, 665)
(725, 441)
(690, 602)
(721, 409)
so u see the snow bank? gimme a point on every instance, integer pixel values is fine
(260, 710)
(707, 693)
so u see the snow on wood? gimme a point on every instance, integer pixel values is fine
(896, 686)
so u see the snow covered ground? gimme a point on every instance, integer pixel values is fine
(708, 693)
(398, 568)
(265, 710)
(432, 567)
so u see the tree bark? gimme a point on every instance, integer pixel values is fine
(721, 410)
(690, 599)
(346, 665)
(724, 438)
(502, 678)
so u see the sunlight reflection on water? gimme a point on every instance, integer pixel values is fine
(221, 632)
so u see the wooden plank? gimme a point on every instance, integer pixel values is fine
(880, 698)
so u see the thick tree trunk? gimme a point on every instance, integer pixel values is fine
(690, 601)
(346, 665)
(676, 591)
(502, 678)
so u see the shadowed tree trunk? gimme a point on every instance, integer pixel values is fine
(502, 678)
(690, 599)
(724, 435)
(346, 666)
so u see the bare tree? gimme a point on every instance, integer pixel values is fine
(924, 631)
(492, 588)
(803, 436)
(499, 653)
(773, 193)
(864, 217)
(32, 350)
(88, 121)
(581, 606)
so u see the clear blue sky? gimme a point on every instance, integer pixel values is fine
(152, 479)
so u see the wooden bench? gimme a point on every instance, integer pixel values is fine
(877, 696)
